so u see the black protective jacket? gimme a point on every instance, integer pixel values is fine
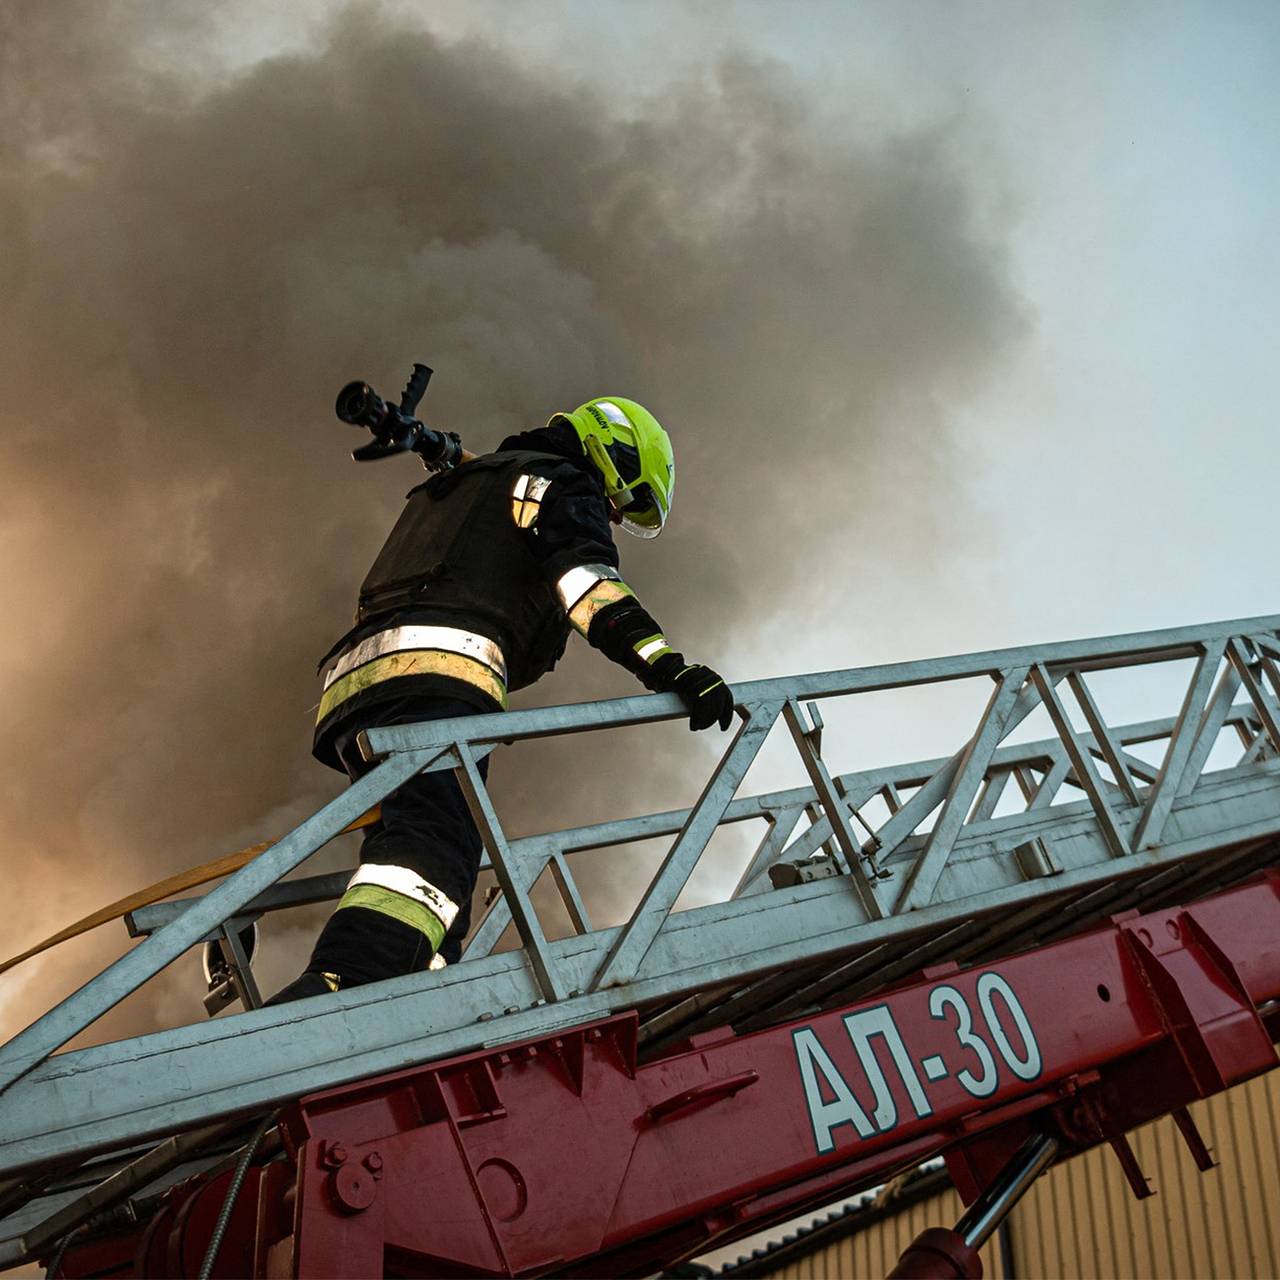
(457, 558)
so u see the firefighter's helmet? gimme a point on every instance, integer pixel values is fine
(632, 453)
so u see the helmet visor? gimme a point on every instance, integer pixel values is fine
(644, 515)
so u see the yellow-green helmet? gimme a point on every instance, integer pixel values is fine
(632, 453)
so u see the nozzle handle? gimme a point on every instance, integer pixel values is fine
(414, 388)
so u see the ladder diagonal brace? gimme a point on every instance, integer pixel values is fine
(834, 806)
(1259, 695)
(1139, 768)
(1181, 740)
(489, 929)
(161, 948)
(1267, 643)
(781, 825)
(1211, 723)
(633, 942)
(992, 789)
(923, 878)
(562, 873)
(1111, 753)
(1081, 761)
(508, 871)
(1267, 658)
(1050, 784)
(1027, 783)
(933, 792)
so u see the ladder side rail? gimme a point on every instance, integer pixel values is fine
(1102, 652)
(857, 788)
(83, 1008)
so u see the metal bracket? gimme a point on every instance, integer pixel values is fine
(228, 966)
(1035, 859)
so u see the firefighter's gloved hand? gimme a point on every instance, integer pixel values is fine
(706, 695)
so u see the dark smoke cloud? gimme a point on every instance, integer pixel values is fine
(193, 261)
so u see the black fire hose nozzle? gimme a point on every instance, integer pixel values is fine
(394, 429)
(361, 406)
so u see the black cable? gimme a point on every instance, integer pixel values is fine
(233, 1190)
(52, 1269)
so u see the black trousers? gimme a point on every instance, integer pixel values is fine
(425, 826)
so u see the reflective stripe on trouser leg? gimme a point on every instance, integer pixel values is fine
(402, 894)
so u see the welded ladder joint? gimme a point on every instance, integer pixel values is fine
(780, 823)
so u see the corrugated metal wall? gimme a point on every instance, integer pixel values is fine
(874, 1252)
(1081, 1219)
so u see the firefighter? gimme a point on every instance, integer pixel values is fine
(474, 595)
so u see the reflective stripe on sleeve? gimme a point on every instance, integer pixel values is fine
(587, 589)
(526, 498)
(654, 647)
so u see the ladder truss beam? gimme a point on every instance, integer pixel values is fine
(1077, 1042)
(108, 1095)
(942, 857)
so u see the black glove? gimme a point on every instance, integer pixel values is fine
(706, 695)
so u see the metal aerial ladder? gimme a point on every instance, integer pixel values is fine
(1004, 956)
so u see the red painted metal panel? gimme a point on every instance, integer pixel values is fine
(564, 1155)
